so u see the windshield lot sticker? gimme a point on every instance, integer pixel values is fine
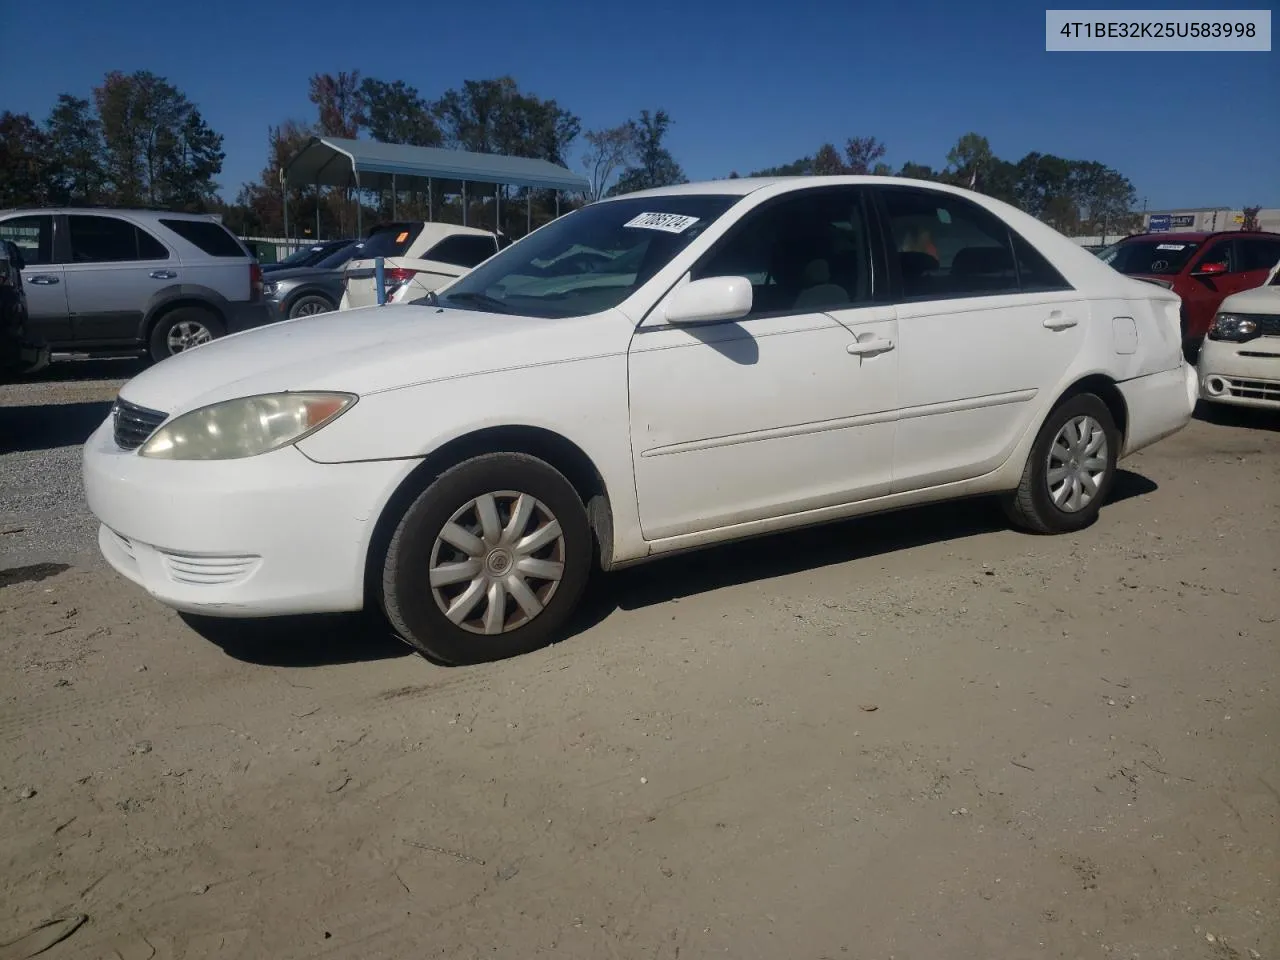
(666, 222)
(1171, 246)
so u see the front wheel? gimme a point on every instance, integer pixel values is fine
(1070, 470)
(489, 562)
(309, 306)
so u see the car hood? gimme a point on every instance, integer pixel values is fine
(1257, 300)
(368, 350)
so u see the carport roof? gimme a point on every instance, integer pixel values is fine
(330, 161)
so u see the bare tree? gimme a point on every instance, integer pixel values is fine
(608, 151)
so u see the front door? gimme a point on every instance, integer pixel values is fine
(985, 324)
(785, 410)
(113, 270)
(42, 279)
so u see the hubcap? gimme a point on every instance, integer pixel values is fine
(497, 563)
(187, 334)
(1078, 461)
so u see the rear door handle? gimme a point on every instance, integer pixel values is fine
(868, 348)
(1059, 321)
(43, 280)
(163, 275)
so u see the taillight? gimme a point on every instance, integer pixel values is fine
(398, 276)
(255, 281)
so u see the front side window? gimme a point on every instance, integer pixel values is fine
(589, 260)
(1220, 253)
(802, 253)
(947, 246)
(33, 236)
(1258, 254)
(110, 240)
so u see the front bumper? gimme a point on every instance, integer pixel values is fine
(262, 536)
(1242, 374)
(245, 315)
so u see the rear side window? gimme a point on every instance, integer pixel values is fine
(948, 247)
(211, 237)
(462, 251)
(1035, 273)
(390, 240)
(33, 236)
(110, 240)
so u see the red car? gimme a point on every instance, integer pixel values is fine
(1202, 268)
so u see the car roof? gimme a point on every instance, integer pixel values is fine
(741, 186)
(1198, 236)
(126, 211)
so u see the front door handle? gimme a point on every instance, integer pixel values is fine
(869, 348)
(43, 280)
(163, 275)
(1059, 321)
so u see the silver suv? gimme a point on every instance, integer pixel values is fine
(133, 280)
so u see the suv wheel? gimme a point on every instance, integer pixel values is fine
(309, 306)
(181, 329)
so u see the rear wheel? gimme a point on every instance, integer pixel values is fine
(183, 329)
(489, 562)
(1070, 470)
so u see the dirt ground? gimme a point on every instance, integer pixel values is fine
(917, 736)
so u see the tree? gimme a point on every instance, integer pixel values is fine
(1104, 196)
(862, 153)
(74, 142)
(608, 151)
(655, 167)
(1001, 181)
(339, 102)
(493, 116)
(22, 161)
(827, 162)
(917, 171)
(969, 160)
(158, 149)
(395, 113)
(796, 168)
(1251, 219)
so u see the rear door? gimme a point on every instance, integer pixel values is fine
(985, 325)
(42, 277)
(113, 269)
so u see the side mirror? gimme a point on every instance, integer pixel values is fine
(15, 255)
(709, 300)
(1209, 269)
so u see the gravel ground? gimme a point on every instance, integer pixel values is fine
(914, 736)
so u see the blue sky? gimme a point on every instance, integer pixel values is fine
(745, 89)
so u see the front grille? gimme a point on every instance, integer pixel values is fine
(134, 424)
(1255, 390)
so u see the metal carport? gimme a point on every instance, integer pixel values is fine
(371, 165)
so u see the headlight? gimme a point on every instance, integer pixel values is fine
(245, 427)
(269, 288)
(1231, 326)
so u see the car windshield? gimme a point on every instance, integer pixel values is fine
(1158, 257)
(340, 256)
(303, 257)
(589, 260)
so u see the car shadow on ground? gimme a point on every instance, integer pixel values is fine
(323, 640)
(1248, 418)
(304, 641)
(49, 425)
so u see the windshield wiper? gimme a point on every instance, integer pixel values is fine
(479, 299)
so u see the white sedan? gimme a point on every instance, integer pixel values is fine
(649, 374)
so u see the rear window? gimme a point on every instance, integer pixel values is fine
(462, 251)
(390, 240)
(211, 237)
(1157, 257)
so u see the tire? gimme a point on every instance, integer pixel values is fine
(309, 305)
(1044, 507)
(417, 609)
(190, 326)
